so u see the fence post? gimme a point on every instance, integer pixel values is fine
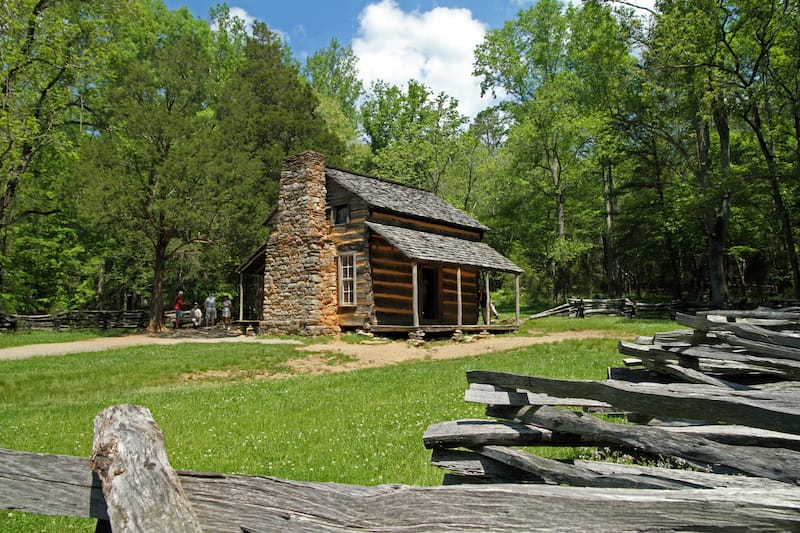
(142, 491)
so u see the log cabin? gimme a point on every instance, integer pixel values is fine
(347, 251)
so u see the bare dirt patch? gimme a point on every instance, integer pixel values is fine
(381, 353)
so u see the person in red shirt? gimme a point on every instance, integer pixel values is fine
(178, 309)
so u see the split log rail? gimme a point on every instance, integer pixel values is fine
(714, 407)
(75, 319)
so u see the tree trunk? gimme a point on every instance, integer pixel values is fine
(157, 297)
(674, 261)
(717, 235)
(715, 220)
(720, 217)
(777, 198)
(611, 208)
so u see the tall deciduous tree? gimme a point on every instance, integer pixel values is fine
(528, 59)
(51, 54)
(150, 154)
(413, 134)
(333, 74)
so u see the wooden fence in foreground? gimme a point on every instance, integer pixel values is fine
(721, 397)
(129, 486)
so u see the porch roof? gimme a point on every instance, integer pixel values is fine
(435, 248)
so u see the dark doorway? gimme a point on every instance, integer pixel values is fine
(430, 294)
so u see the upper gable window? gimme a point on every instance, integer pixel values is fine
(340, 214)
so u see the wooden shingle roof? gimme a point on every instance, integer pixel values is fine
(402, 199)
(435, 248)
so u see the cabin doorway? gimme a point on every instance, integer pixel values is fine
(429, 297)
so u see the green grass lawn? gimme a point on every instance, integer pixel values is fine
(219, 414)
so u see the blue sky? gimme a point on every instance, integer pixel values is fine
(430, 41)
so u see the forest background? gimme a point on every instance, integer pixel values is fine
(656, 157)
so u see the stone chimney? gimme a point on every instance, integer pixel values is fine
(300, 266)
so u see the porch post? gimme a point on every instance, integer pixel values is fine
(241, 298)
(414, 293)
(458, 289)
(487, 311)
(516, 291)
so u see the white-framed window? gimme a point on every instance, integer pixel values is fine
(347, 279)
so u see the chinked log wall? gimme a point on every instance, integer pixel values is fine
(129, 485)
(720, 400)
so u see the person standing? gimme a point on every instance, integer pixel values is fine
(211, 310)
(226, 311)
(178, 307)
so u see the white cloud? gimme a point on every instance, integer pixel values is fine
(434, 47)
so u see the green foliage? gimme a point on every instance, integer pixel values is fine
(414, 134)
(140, 148)
(333, 74)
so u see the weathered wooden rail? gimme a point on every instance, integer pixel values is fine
(582, 307)
(129, 485)
(715, 406)
(75, 319)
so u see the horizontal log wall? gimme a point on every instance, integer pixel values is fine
(392, 286)
(391, 283)
(384, 284)
(351, 238)
(422, 225)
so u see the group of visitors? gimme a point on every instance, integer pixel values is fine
(196, 314)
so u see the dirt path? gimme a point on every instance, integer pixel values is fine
(322, 358)
(126, 341)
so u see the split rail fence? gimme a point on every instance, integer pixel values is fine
(77, 319)
(714, 409)
(719, 399)
(583, 307)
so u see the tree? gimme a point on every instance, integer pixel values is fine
(149, 155)
(51, 53)
(333, 73)
(413, 134)
(527, 58)
(265, 112)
